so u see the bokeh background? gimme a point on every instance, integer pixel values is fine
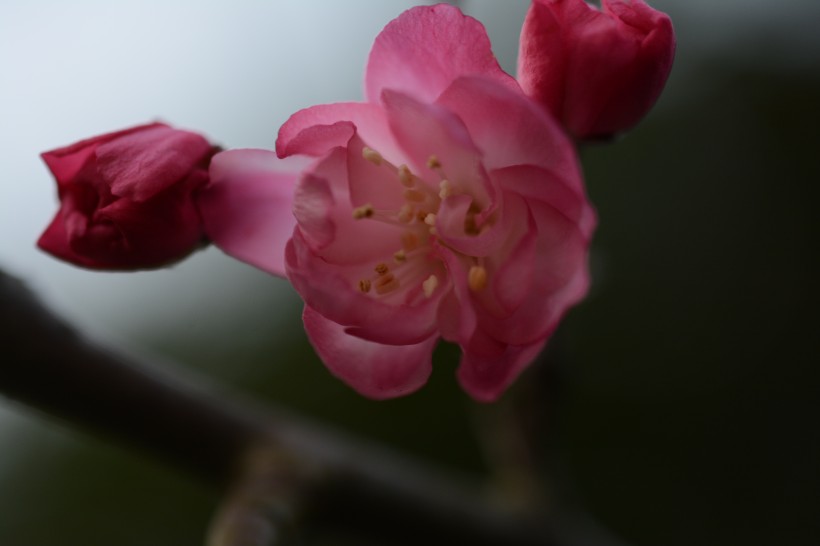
(683, 393)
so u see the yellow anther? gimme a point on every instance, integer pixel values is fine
(372, 155)
(429, 286)
(433, 162)
(386, 284)
(477, 278)
(405, 176)
(364, 285)
(365, 211)
(445, 189)
(430, 219)
(400, 256)
(409, 241)
(414, 196)
(382, 269)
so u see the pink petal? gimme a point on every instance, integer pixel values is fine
(488, 367)
(424, 130)
(537, 184)
(511, 129)
(246, 208)
(55, 241)
(513, 278)
(377, 185)
(333, 291)
(560, 279)
(140, 164)
(67, 161)
(456, 318)
(542, 57)
(450, 222)
(374, 370)
(427, 47)
(315, 130)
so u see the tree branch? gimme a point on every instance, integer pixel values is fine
(281, 474)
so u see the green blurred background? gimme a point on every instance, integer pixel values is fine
(682, 394)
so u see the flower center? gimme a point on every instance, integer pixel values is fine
(411, 265)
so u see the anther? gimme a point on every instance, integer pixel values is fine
(477, 278)
(445, 189)
(386, 284)
(433, 162)
(365, 211)
(364, 285)
(400, 256)
(430, 219)
(405, 176)
(429, 286)
(382, 269)
(372, 155)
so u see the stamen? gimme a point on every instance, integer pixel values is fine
(430, 285)
(372, 156)
(430, 219)
(414, 196)
(382, 269)
(400, 256)
(406, 213)
(365, 211)
(386, 283)
(405, 176)
(445, 189)
(409, 241)
(364, 285)
(433, 162)
(477, 278)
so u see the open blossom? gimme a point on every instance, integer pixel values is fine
(126, 198)
(448, 205)
(598, 71)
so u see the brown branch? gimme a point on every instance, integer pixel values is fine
(283, 475)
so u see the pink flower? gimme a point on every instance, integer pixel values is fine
(126, 198)
(446, 206)
(598, 71)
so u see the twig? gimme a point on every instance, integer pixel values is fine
(280, 473)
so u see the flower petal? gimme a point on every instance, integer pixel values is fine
(538, 184)
(247, 206)
(374, 370)
(140, 164)
(510, 129)
(315, 130)
(333, 291)
(427, 47)
(66, 162)
(488, 367)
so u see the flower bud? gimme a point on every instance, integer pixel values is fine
(598, 71)
(127, 198)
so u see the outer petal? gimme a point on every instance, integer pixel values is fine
(489, 367)
(374, 370)
(247, 206)
(55, 241)
(65, 163)
(511, 129)
(315, 130)
(542, 57)
(141, 164)
(427, 47)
